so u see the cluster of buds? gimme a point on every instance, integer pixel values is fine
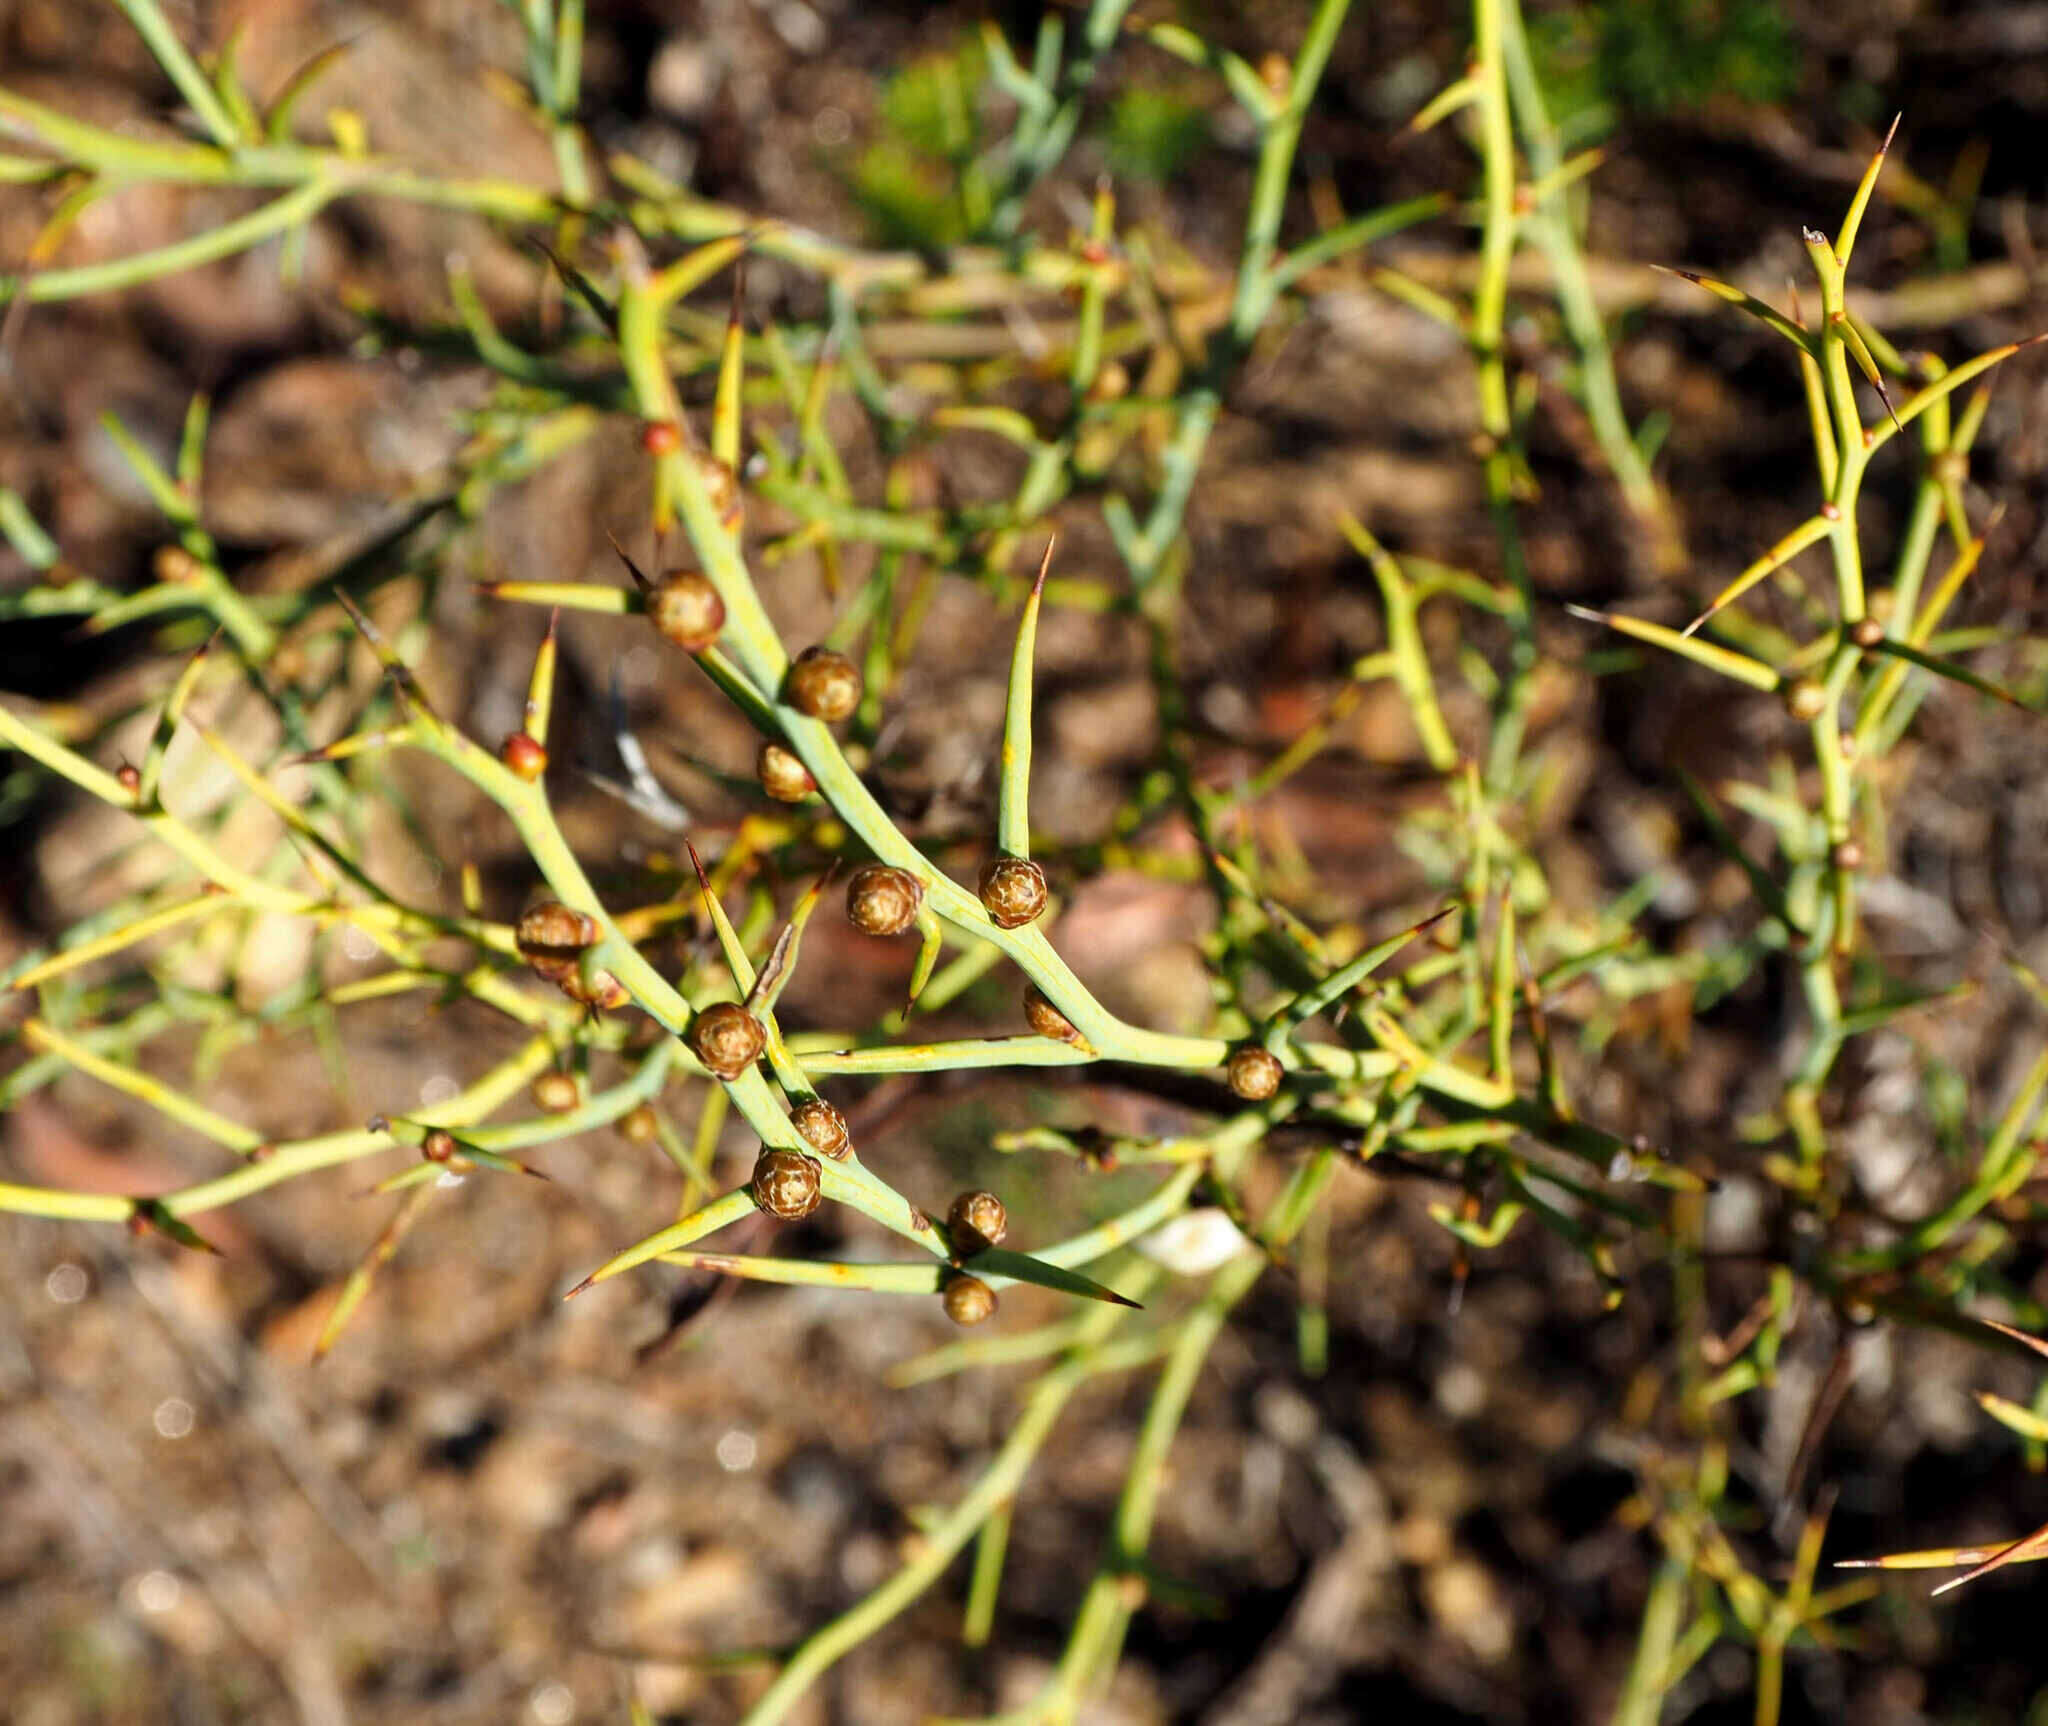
(553, 940)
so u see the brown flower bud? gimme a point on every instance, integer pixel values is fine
(1112, 382)
(550, 930)
(129, 777)
(968, 1300)
(1805, 699)
(1012, 891)
(727, 1039)
(685, 608)
(977, 1220)
(823, 684)
(1047, 1020)
(553, 939)
(640, 1126)
(173, 563)
(439, 1146)
(556, 1093)
(882, 899)
(525, 755)
(661, 437)
(607, 992)
(1847, 855)
(786, 1184)
(1254, 1074)
(822, 1127)
(782, 775)
(722, 485)
(593, 988)
(1867, 633)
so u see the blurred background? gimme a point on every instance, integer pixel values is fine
(487, 1505)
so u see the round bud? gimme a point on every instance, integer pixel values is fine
(1047, 1020)
(1254, 1074)
(173, 563)
(968, 1300)
(640, 1126)
(1847, 856)
(1867, 633)
(685, 608)
(977, 1220)
(556, 1093)
(525, 755)
(1112, 382)
(721, 485)
(552, 939)
(1012, 891)
(550, 930)
(1805, 699)
(786, 1184)
(782, 775)
(661, 437)
(593, 988)
(727, 1039)
(439, 1146)
(823, 684)
(129, 776)
(882, 899)
(822, 1127)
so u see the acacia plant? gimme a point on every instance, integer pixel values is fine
(1363, 1040)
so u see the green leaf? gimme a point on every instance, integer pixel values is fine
(1022, 1268)
(1013, 813)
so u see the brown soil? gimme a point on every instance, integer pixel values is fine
(487, 1505)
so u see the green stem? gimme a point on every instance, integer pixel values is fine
(1555, 232)
(1255, 284)
(1098, 1631)
(162, 41)
(275, 217)
(1496, 423)
(998, 1485)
